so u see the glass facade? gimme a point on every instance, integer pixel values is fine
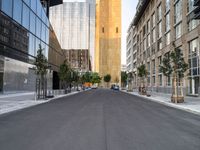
(194, 68)
(74, 25)
(24, 25)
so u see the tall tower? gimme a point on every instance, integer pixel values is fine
(108, 39)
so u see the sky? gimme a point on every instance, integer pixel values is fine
(128, 12)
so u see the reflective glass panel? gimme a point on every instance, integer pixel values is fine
(17, 10)
(39, 9)
(32, 22)
(28, 2)
(31, 50)
(26, 16)
(7, 7)
(34, 5)
(38, 27)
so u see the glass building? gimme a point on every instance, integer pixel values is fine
(24, 25)
(74, 25)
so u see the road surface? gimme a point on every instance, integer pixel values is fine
(100, 120)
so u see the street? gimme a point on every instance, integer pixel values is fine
(100, 120)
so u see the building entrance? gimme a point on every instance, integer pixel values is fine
(194, 86)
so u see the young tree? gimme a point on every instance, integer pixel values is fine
(175, 65)
(124, 77)
(41, 66)
(96, 78)
(142, 73)
(63, 71)
(107, 79)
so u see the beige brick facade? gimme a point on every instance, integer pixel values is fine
(108, 38)
(156, 38)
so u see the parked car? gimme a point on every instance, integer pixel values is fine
(94, 86)
(112, 86)
(116, 87)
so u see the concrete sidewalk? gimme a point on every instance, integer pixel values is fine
(14, 102)
(191, 104)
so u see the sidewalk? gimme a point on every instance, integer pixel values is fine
(13, 102)
(191, 104)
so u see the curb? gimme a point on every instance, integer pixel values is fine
(18, 108)
(166, 104)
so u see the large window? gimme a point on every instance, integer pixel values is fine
(167, 38)
(178, 30)
(190, 5)
(17, 10)
(7, 7)
(167, 19)
(167, 5)
(159, 12)
(26, 17)
(160, 29)
(154, 35)
(192, 24)
(178, 11)
(153, 20)
(39, 8)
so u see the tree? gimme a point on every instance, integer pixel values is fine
(87, 77)
(95, 78)
(63, 71)
(142, 73)
(107, 78)
(175, 65)
(41, 66)
(124, 77)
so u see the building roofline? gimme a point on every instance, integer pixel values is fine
(142, 5)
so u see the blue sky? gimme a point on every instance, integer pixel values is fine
(128, 12)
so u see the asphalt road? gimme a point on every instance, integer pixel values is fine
(100, 120)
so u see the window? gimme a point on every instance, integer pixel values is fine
(178, 11)
(194, 57)
(160, 79)
(160, 30)
(167, 18)
(7, 7)
(178, 30)
(192, 24)
(148, 26)
(154, 35)
(17, 11)
(153, 67)
(145, 44)
(26, 16)
(153, 20)
(117, 30)
(160, 61)
(168, 38)
(190, 5)
(148, 41)
(159, 9)
(102, 29)
(32, 22)
(167, 5)
(159, 44)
